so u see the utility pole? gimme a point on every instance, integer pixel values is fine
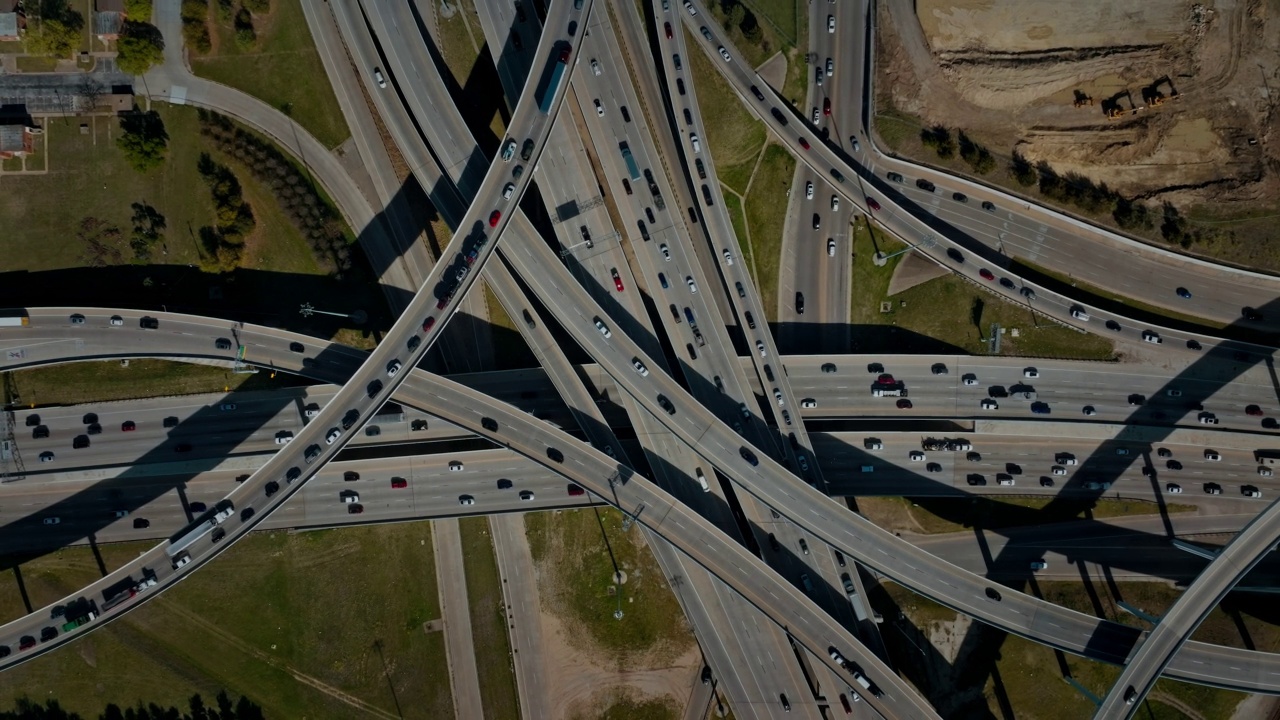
(11, 467)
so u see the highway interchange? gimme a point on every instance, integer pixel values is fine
(691, 415)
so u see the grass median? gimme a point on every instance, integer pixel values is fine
(933, 515)
(282, 68)
(948, 314)
(734, 135)
(576, 552)
(766, 210)
(488, 622)
(316, 624)
(108, 380)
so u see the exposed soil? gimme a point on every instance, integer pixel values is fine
(1193, 86)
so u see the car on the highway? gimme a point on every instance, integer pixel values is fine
(617, 279)
(761, 348)
(831, 247)
(808, 190)
(227, 406)
(666, 252)
(666, 26)
(1212, 456)
(904, 404)
(1028, 293)
(378, 78)
(1183, 293)
(1089, 410)
(989, 404)
(526, 151)
(693, 287)
(117, 321)
(835, 202)
(808, 403)
(1265, 472)
(141, 523)
(1151, 337)
(828, 368)
(1173, 488)
(77, 319)
(604, 329)
(1253, 410)
(815, 115)
(1039, 565)
(1207, 418)
(46, 456)
(526, 495)
(599, 108)
(689, 6)
(826, 106)
(284, 437)
(831, 69)
(974, 479)
(926, 185)
(52, 520)
(728, 256)
(639, 367)
(509, 151)
(1212, 488)
(938, 369)
(748, 456)
(1137, 399)
(831, 23)
(666, 404)
(725, 54)
(1251, 314)
(1250, 491)
(456, 466)
(872, 203)
(915, 456)
(1030, 372)
(332, 436)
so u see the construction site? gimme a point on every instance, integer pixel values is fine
(1161, 100)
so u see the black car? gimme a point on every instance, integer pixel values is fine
(756, 91)
(374, 388)
(526, 151)
(666, 405)
(272, 488)
(1046, 481)
(198, 507)
(246, 513)
(799, 303)
(40, 431)
(706, 669)
(218, 534)
(141, 523)
(171, 422)
(489, 424)
(777, 115)
(1113, 325)
(555, 455)
(926, 185)
(748, 456)
(80, 442)
(1194, 345)
(516, 42)
(976, 479)
(90, 418)
(297, 347)
(33, 420)
(48, 633)
(959, 197)
(1252, 315)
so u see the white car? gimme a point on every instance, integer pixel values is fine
(1173, 392)
(350, 497)
(831, 247)
(689, 6)
(1151, 337)
(604, 329)
(599, 107)
(455, 466)
(872, 444)
(1207, 419)
(332, 437)
(760, 347)
(915, 456)
(508, 191)
(831, 23)
(640, 368)
(377, 77)
(1250, 491)
(1059, 470)
(777, 395)
(835, 202)
(989, 404)
(808, 191)
(1173, 488)
(1080, 313)
(831, 70)
(693, 287)
(1264, 472)
(117, 321)
(854, 142)
(969, 379)
(466, 500)
(284, 438)
(46, 456)
(509, 151)
(595, 66)
(808, 403)
(725, 54)
(728, 257)
(666, 252)
(1030, 373)
(526, 495)
(1212, 456)
(1007, 480)
(393, 367)
(816, 116)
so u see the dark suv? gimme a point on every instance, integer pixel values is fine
(926, 185)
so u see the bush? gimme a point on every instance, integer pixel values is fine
(245, 34)
(1131, 215)
(55, 36)
(257, 7)
(939, 138)
(143, 140)
(140, 46)
(1022, 171)
(139, 10)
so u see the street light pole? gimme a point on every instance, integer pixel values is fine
(925, 244)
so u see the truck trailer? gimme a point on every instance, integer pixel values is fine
(557, 76)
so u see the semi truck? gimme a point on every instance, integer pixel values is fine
(889, 390)
(15, 321)
(632, 169)
(557, 76)
(1267, 457)
(82, 620)
(203, 524)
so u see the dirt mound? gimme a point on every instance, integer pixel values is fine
(1160, 99)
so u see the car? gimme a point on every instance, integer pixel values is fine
(46, 456)
(725, 54)
(938, 369)
(1137, 399)
(604, 329)
(332, 436)
(227, 407)
(284, 437)
(222, 344)
(1264, 472)
(989, 404)
(456, 466)
(666, 404)
(1007, 283)
(1212, 456)
(1251, 314)
(1183, 293)
(1039, 565)
(508, 190)
(666, 26)
(378, 78)
(666, 252)
(526, 150)
(80, 442)
(959, 197)
(1030, 373)
(617, 279)
(828, 368)
(428, 324)
(693, 287)
(831, 68)
(1207, 418)
(815, 115)
(826, 106)
(1151, 337)
(509, 151)
(1212, 489)
(1253, 410)
(808, 190)
(466, 500)
(40, 432)
(689, 6)
(662, 280)
(1040, 408)
(393, 367)
(831, 23)
(760, 346)
(1250, 491)
(1004, 479)
(975, 480)
(595, 67)
(94, 429)
(1089, 410)
(926, 185)
(639, 367)
(182, 447)
(835, 202)
(728, 256)
(599, 107)
(52, 520)
(1122, 452)
(148, 323)
(77, 319)
(986, 274)
(915, 456)
(799, 303)
(803, 142)
(1028, 293)
(117, 321)
(904, 404)
(526, 495)
(748, 456)
(141, 523)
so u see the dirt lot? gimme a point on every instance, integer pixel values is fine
(1007, 72)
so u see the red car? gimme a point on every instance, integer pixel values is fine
(399, 483)
(885, 379)
(1253, 410)
(443, 302)
(826, 106)
(986, 274)
(803, 143)
(667, 26)
(871, 203)
(844, 701)
(575, 489)
(26, 643)
(494, 217)
(428, 324)
(904, 404)
(130, 426)
(617, 279)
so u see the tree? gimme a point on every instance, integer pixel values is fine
(143, 140)
(245, 34)
(1022, 171)
(56, 37)
(140, 46)
(138, 9)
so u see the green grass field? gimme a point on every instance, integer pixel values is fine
(488, 622)
(576, 572)
(767, 217)
(282, 69)
(460, 38)
(733, 133)
(946, 515)
(318, 624)
(948, 314)
(108, 380)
